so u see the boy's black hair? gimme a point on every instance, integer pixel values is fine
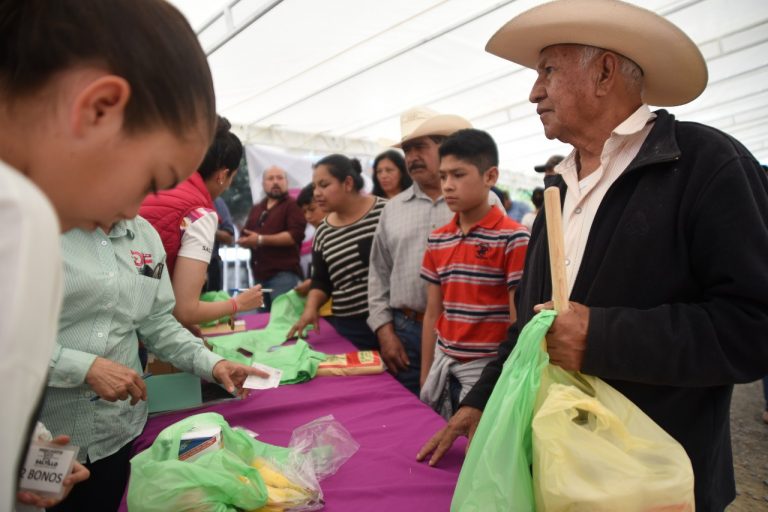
(473, 146)
(306, 196)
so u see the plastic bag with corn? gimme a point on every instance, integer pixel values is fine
(242, 474)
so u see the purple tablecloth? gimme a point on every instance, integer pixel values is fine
(389, 422)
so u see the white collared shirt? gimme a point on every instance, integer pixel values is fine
(583, 197)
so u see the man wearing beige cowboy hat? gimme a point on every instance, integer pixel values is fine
(396, 295)
(669, 293)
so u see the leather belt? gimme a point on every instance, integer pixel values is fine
(416, 316)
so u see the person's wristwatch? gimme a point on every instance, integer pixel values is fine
(259, 240)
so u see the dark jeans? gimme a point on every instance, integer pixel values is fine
(103, 491)
(409, 332)
(356, 330)
(280, 283)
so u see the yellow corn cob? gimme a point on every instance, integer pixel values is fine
(272, 477)
(286, 496)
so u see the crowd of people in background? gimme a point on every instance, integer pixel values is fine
(436, 268)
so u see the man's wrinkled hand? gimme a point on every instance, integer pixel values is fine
(567, 338)
(463, 423)
(112, 381)
(392, 350)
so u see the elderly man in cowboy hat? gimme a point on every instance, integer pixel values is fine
(396, 295)
(669, 292)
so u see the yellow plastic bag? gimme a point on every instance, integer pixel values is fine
(594, 450)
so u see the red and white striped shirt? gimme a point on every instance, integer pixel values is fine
(475, 272)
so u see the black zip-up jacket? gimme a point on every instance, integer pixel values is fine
(675, 273)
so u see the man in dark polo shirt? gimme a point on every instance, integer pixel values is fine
(274, 232)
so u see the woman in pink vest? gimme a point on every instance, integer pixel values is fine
(186, 220)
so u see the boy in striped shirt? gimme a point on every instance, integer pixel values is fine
(472, 266)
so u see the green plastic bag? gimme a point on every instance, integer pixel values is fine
(286, 310)
(221, 481)
(215, 296)
(496, 474)
(298, 362)
(232, 346)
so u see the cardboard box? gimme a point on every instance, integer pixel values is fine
(158, 367)
(198, 442)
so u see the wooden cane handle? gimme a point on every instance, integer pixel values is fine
(556, 248)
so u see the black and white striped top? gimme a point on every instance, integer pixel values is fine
(340, 258)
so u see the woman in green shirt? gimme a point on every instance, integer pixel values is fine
(101, 102)
(116, 290)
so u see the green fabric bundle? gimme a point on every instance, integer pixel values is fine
(298, 362)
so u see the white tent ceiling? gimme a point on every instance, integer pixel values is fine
(334, 75)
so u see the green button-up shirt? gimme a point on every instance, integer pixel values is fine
(108, 305)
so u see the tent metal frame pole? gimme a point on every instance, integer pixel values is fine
(232, 29)
(423, 41)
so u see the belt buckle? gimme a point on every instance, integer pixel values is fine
(410, 314)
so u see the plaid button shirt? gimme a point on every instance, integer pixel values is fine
(108, 303)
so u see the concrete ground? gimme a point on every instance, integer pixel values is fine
(750, 448)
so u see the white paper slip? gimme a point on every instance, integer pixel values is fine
(45, 468)
(256, 382)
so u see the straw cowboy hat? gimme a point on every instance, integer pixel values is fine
(674, 70)
(421, 121)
